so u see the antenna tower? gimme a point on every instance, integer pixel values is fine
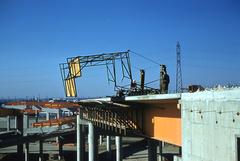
(179, 70)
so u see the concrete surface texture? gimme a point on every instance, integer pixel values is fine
(210, 125)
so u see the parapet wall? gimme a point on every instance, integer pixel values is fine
(210, 125)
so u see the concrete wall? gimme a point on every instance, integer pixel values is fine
(210, 123)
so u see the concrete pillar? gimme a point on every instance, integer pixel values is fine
(37, 116)
(100, 140)
(108, 140)
(19, 125)
(180, 150)
(59, 112)
(25, 123)
(26, 151)
(109, 152)
(25, 127)
(95, 145)
(40, 158)
(8, 123)
(118, 143)
(47, 115)
(160, 146)
(80, 141)
(152, 150)
(15, 122)
(91, 148)
(60, 148)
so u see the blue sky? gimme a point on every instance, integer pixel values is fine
(35, 36)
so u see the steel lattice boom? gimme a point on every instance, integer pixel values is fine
(75, 65)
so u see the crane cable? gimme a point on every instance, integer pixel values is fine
(146, 58)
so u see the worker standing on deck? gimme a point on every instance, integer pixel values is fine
(133, 85)
(164, 80)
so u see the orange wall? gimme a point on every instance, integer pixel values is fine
(163, 122)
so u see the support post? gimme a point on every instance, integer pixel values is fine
(60, 127)
(59, 112)
(152, 150)
(100, 140)
(80, 141)
(19, 125)
(37, 116)
(25, 127)
(26, 151)
(15, 122)
(25, 123)
(40, 158)
(118, 143)
(95, 145)
(8, 123)
(109, 154)
(91, 148)
(160, 157)
(60, 148)
(47, 115)
(180, 150)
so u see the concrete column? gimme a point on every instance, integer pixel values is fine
(26, 151)
(80, 141)
(40, 158)
(60, 148)
(108, 140)
(152, 150)
(60, 127)
(8, 123)
(37, 116)
(160, 146)
(25, 127)
(19, 125)
(91, 148)
(163, 144)
(59, 112)
(109, 154)
(15, 122)
(95, 145)
(118, 143)
(47, 115)
(100, 140)
(25, 123)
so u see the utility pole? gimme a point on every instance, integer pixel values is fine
(179, 70)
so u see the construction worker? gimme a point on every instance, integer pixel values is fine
(133, 85)
(164, 80)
